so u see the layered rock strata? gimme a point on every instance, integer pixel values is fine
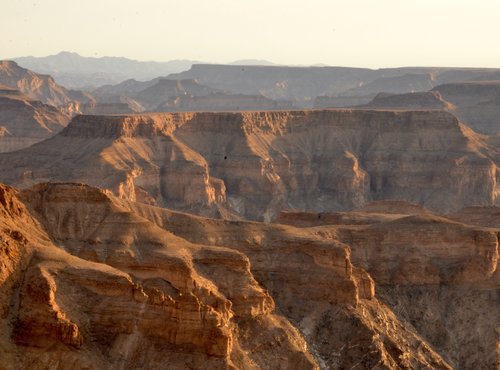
(24, 122)
(89, 284)
(255, 164)
(436, 273)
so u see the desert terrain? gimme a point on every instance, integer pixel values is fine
(206, 216)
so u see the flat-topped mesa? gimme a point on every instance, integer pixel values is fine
(477, 88)
(417, 100)
(104, 126)
(276, 122)
(312, 160)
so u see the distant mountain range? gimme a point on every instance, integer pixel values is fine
(77, 72)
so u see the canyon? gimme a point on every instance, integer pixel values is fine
(249, 217)
(253, 165)
(154, 297)
(368, 288)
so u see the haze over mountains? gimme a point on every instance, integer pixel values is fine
(248, 216)
(78, 72)
(75, 71)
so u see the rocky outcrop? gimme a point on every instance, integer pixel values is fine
(24, 122)
(90, 284)
(268, 161)
(167, 95)
(36, 86)
(443, 271)
(438, 274)
(92, 281)
(475, 103)
(342, 320)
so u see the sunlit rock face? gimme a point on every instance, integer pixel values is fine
(24, 122)
(439, 274)
(255, 164)
(90, 280)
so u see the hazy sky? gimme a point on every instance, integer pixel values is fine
(368, 33)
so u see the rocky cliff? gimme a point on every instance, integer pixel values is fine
(220, 102)
(92, 281)
(439, 274)
(37, 86)
(255, 164)
(24, 122)
(89, 284)
(475, 102)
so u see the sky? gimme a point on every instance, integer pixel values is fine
(358, 33)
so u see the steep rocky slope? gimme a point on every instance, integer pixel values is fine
(24, 122)
(255, 164)
(475, 102)
(91, 281)
(88, 284)
(437, 274)
(40, 87)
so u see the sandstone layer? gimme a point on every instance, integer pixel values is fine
(39, 87)
(255, 164)
(88, 284)
(440, 274)
(24, 122)
(475, 103)
(92, 281)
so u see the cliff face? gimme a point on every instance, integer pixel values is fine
(255, 164)
(161, 91)
(437, 273)
(301, 268)
(476, 102)
(92, 281)
(90, 284)
(24, 122)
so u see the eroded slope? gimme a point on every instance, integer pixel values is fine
(92, 281)
(255, 164)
